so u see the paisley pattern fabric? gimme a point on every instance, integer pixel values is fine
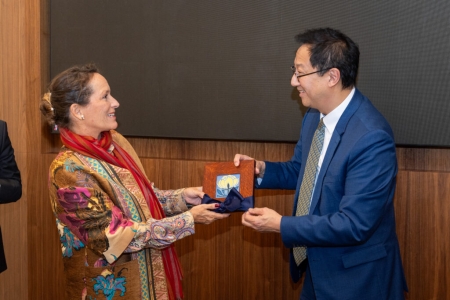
(110, 243)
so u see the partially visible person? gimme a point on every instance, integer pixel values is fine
(116, 228)
(341, 233)
(10, 182)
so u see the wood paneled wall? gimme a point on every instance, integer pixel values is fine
(223, 260)
(13, 217)
(422, 203)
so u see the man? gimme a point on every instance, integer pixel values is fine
(10, 183)
(344, 175)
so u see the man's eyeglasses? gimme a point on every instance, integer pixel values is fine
(294, 70)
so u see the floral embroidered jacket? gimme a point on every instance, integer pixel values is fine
(110, 243)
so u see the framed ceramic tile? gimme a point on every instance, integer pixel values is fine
(219, 178)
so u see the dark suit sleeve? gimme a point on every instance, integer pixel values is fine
(284, 175)
(10, 183)
(358, 197)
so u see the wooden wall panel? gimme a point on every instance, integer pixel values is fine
(423, 227)
(44, 250)
(13, 217)
(207, 150)
(424, 159)
(45, 265)
(422, 203)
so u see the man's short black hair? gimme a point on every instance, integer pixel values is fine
(330, 48)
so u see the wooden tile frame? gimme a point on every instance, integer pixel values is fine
(246, 170)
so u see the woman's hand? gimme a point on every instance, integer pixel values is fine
(202, 213)
(193, 195)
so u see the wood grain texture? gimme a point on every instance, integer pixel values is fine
(208, 150)
(424, 159)
(45, 266)
(13, 216)
(44, 249)
(423, 227)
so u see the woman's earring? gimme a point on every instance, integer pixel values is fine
(82, 117)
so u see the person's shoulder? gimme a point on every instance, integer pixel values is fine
(361, 116)
(63, 155)
(118, 138)
(68, 161)
(116, 134)
(311, 115)
(371, 115)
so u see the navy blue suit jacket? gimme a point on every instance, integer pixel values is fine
(10, 183)
(352, 246)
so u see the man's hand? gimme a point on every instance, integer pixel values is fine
(193, 195)
(262, 219)
(260, 166)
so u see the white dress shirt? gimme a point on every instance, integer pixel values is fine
(330, 122)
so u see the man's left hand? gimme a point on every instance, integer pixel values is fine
(262, 219)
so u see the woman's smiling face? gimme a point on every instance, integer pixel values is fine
(99, 113)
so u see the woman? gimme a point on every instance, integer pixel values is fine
(116, 229)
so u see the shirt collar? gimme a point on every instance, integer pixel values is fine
(333, 117)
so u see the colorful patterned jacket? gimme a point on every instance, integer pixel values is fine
(110, 243)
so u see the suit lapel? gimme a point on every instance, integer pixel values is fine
(339, 130)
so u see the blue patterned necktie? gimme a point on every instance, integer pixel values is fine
(307, 186)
